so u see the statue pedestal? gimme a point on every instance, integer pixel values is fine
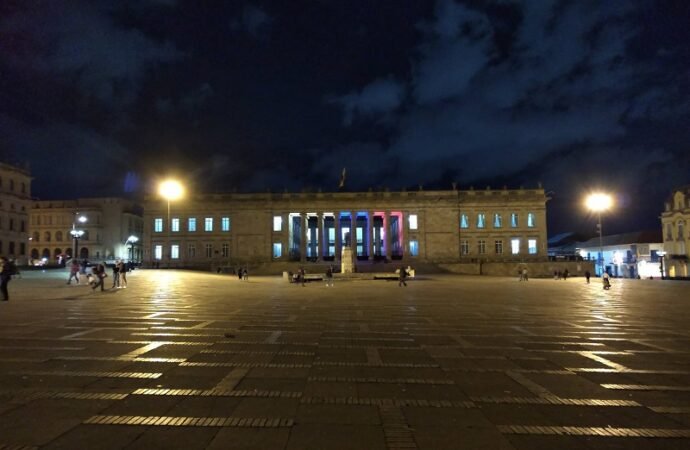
(347, 260)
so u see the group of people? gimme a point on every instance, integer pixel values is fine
(243, 274)
(96, 278)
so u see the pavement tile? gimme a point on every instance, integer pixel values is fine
(315, 436)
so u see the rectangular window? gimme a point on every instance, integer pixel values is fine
(158, 225)
(669, 232)
(209, 250)
(208, 224)
(532, 246)
(464, 222)
(175, 224)
(481, 220)
(515, 246)
(277, 223)
(225, 224)
(191, 250)
(498, 221)
(481, 247)
(530, 220)
(514, 220)
(277, 250)
(413, 222)
(498, 246)
(174, 251)
(331, 235)
(191, 224)
(414, 248)
(158, 252)
(465, 247)
(225, 250)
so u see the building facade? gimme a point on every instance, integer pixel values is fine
(627, 255)
(100, 228)
(674, 224)
(206, 231)
(15, 203)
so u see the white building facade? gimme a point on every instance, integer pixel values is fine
(674, 223)
(628, 255)
(15, 203)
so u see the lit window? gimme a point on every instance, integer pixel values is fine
(209, 250)
(414, 248)
(413, 222)
(175, 224)
(331, 235)
(225, 224)
(208, 224)
(481, 247)
(515, 246)
(191, 224)
(277, 250)
(158, 225)
(175, 251)
(532, 246)
(498, 246)
(359, 232)
(530, 220)
(191, 250)
(225, 250)
(464, 223)
(498, 221)
(465, 247)
(158, 252)
(514, 220)
(481, 220)
(277, 223)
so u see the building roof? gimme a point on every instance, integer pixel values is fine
(637, 237)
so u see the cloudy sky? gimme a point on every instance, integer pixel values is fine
(103, 97)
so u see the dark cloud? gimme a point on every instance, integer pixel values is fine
(379, 97)
(253, 20)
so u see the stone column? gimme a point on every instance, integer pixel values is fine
(404, 241)
(369, 237)
(387, 235)
(320, 233)
(353, 235)
(285, 235)
(337, 235)
(303, 237)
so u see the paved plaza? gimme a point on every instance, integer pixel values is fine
(204, 361)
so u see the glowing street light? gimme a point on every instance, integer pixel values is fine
(170, 190)
(131, 241)
(598, 203)
(76, 234)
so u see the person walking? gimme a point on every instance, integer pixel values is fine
(587, 276)
(329, 276)
(99, 276)
(123, 274)
(240, 272)
(607, 282)
(245, 274)
(565, 274)
(301, 275)
(402, 275)
(73, 272)
(524, 274)
(116, 274)
(7, 269)
(84, 265)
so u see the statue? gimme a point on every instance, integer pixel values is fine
(347, 259)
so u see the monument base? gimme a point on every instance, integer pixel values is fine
(347, 260)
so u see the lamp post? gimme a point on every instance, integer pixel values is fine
(170, 190)
(599, 203)
(661, 262)
(76, 234)
(131, 241)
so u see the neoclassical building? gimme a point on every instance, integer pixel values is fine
(15, 202)
(213, 230)
(105, 226)
(674, 223)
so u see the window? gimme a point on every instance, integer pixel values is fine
(175, 224)
(669, 232)
(530, 220)
(225, 250)
(191, 250)
(498, 246)
(209, 250)
(481, 220)
(413, 222)
(225, 224)
(191, 224)
(277, 226)
(681, 232)
(414, 248)
(481, 247)
(158, 225)
(514, 220)
(464, 223)
(532, 246)
(515, 246)
(22, 248)
(174, 251)
(277, 248)
(465, 247)
(208, 224)
(498, 221)
(158, 252)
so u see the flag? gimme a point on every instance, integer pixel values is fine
(342, 180)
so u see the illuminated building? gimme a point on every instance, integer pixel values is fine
(15, 202)
(674, 223)
(627, 255)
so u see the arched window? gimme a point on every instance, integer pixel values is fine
(34, 253)
(84, 253)
(46, 253)
(46, 236)
(681, 230)
(58, 236)
(57, 252)
(36, 238)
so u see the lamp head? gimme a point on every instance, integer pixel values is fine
(171, 190)
(599, 202)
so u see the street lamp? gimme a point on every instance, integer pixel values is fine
(599, 203)
(661, 255)
(76, 234)
(131, 241)
(170, 190)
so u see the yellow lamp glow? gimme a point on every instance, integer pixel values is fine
(599, 202)
(171, 190)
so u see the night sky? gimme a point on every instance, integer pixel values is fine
(105, 97)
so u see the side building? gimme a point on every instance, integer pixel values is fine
(99, 228)
(15, 203)
(628, 255)
(215, 230)
(674, 226)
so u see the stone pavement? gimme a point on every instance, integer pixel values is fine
(194, 360)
